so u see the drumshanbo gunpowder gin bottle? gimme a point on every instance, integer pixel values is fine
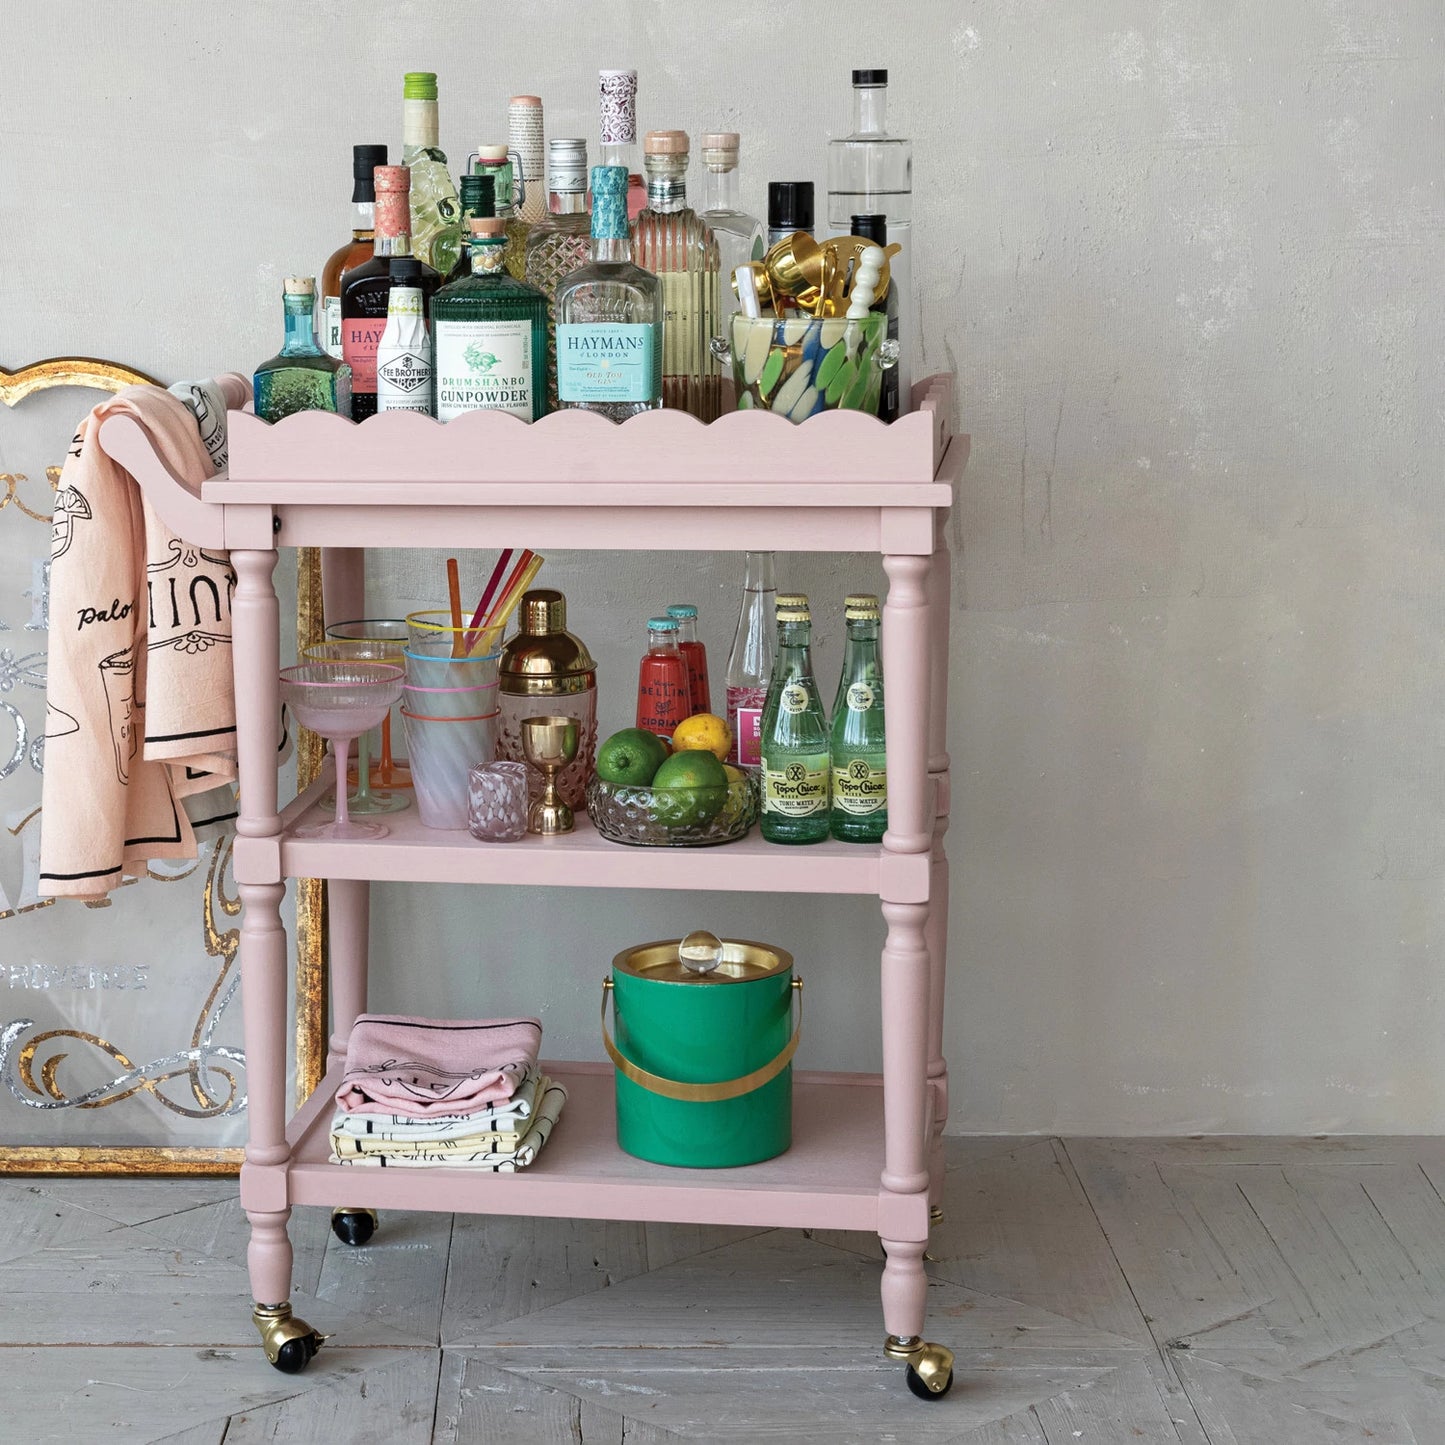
(796, 760)
(860, 761)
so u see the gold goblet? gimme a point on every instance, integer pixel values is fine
(549, 744)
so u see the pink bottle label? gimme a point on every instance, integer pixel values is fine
(745, 718)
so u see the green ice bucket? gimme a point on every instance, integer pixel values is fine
(704, 1061)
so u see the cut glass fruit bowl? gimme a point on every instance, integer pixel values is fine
(672, 817)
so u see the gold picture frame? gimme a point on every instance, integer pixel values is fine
(99, 374)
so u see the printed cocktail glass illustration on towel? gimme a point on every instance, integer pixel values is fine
(117, 675)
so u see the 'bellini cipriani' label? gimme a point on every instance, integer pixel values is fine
(606, 361)
(484, 366)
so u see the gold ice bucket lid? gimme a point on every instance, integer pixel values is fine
(743, 961)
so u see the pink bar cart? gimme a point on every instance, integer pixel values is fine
(867, 1149)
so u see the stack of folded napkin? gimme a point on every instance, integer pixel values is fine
(419, 1093)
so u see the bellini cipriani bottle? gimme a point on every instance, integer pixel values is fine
(489, 335)
(796, 756)
(858, 745)
(358, 250)
(366, 289)
(871, 173)
(609, 316)
(672, 241)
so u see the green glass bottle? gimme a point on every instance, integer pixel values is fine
(301, 376)
(860, 760)
(479, 198)
(794, 735)
(489, 335)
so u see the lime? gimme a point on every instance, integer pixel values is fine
(689, 790)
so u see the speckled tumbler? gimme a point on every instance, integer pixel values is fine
(497, 802)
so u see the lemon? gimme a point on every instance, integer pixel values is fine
(703, 733)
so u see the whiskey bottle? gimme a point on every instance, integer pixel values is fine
(618, 89)
(366, 289)
(301, 376)
(489, 335)
(559, 243)
(672, 241)
(610, 337)
(358, 250)
(435, 216)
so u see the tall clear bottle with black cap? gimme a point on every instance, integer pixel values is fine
(364, 160)
(870, 173)
(875, 228)
(790, 208)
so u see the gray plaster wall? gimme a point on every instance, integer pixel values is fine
(1185, 259)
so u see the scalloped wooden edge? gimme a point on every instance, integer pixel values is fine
(576, 446)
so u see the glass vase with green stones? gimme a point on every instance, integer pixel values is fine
(301, 376)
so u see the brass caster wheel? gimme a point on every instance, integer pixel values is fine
(290, 1343)
(929, 1367)
(354, 1226)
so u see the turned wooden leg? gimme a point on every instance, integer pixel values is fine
(904, 1289)
(904, 1003)
(350, 912)
(909, 662)
(935, 934)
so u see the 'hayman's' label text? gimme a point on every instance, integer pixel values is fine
(607, 361)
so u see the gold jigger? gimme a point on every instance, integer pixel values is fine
(549, 744)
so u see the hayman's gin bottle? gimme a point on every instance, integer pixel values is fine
(795, 736)
(618, 90)
(860, 759)
(609, 316)
(672, 241)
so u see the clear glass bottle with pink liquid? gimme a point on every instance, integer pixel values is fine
(750, 663)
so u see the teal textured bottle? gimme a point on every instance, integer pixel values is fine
(301, 376)
(796, 758)
(860, 759)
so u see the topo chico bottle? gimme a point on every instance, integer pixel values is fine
(795, 735)
(859, 756)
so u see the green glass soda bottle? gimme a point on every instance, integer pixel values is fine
(794, 735)
(860, 761)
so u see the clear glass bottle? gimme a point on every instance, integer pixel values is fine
(403, 357)
(525, 140)
(358, 250)
(694, 653)
(560, 242)
(662, 689)
(478, 194)
(366, 289)
(875, 228)
(739, 235)
(301, 376)
(504, 168)
(871, 173)
(618, 90)
(750, 661)
(489, 335)
(796, 758)
(609, 317)
(672, 241)
(858, 751)
(435, 215)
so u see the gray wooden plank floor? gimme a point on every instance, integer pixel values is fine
(1103, 1291)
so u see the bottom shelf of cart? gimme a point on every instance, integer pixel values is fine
(828, 1179)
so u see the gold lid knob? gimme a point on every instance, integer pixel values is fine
(543, 610)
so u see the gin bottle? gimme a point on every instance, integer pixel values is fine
(739, 235)
(301, 376)
(478, 198)
(435, 215)
(403, 359)
(357, 251)
(859, 757)
(871, 173)
(560, 242)
(504, 167)
(618, 90)
(489, 335)
(610, 337)
(673, 242)
(796, 759)
(750, 662)
(366, 289)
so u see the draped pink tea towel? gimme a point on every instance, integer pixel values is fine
(137, 616)
(420, 1067)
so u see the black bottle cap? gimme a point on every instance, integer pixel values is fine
(404, 269)
(364, 160)
(872, 228)
(478, 195)
(870, 77)
(790, 205)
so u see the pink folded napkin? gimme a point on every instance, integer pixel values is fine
(421, 1067)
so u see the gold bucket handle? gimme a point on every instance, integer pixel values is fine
(704, 1093)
